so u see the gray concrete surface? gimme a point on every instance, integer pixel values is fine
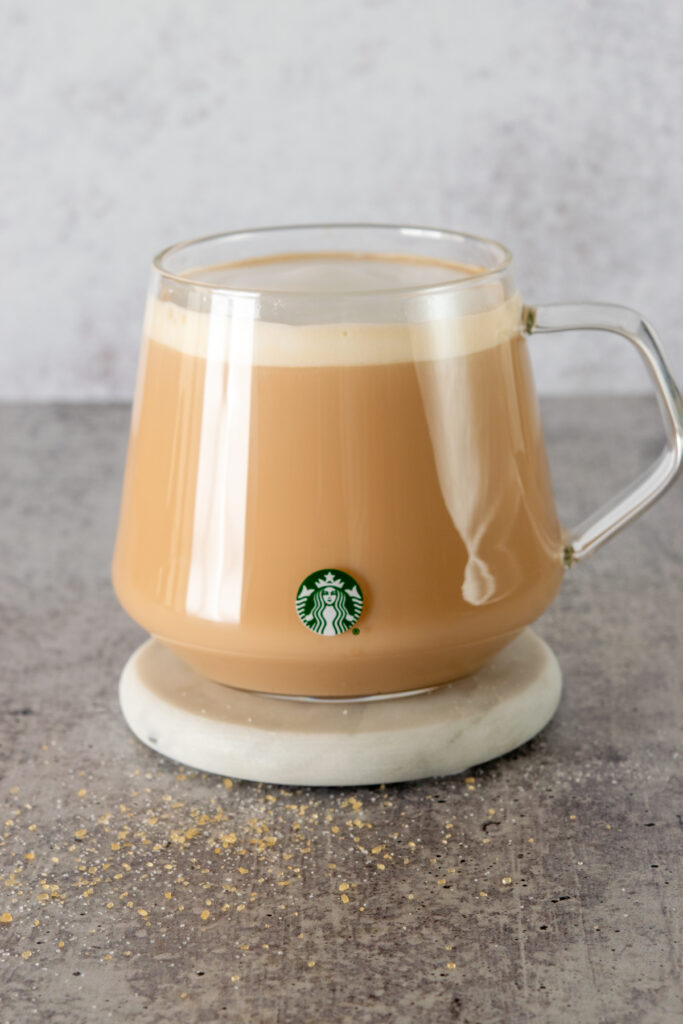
(540, 887)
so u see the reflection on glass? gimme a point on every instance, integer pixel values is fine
(214, 587)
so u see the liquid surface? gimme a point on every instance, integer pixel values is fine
(333, 273)
(407, 455)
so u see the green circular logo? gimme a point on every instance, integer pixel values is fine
(329, 602)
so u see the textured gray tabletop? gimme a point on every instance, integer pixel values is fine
(543, 886)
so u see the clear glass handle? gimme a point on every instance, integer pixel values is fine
(629, 503)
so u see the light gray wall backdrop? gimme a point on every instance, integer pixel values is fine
(128, 125)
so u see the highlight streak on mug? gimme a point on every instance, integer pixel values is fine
(477, 435)
(214, 586)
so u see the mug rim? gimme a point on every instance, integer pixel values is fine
(498, 268)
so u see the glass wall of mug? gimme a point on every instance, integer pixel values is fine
(336, 481)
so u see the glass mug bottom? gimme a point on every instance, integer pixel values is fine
(336, 482)
(403, 669)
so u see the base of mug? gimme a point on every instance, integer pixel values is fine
(440, 731)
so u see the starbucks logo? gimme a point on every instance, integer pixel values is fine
(329, 602)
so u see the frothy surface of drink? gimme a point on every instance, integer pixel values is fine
(443, 323)
(331, 272)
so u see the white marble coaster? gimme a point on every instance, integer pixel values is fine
(340, 743)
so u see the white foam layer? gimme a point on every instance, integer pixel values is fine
(241, 339)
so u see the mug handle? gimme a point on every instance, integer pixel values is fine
(632, 501)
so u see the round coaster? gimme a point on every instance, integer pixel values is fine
(340, 743)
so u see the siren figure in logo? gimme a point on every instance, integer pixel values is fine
(329, 611)
(329, 602)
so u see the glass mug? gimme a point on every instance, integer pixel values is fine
(336, 483)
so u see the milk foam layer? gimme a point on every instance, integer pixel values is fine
(244, 340)
(376, 327)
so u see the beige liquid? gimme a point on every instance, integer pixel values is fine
(409, 456)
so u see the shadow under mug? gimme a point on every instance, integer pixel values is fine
(336, 482)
